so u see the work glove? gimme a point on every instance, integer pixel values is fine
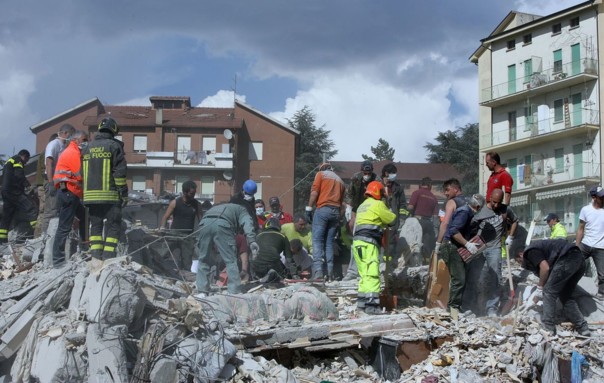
(51, 190)
(437, 248)
(308, 213)
(123, 195)
(348, 213)
(509, 240)
(124, 201)
(255, 249)
(537, 295)
(471, 247)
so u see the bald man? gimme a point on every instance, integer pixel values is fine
(484, 273)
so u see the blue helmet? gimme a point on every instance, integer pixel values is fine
(250, 187)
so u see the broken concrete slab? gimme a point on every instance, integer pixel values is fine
(17, 332)
(164, 371)
(107, 356)
(49, 240)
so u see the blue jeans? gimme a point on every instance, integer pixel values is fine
(325, 224)
(490, 277)
(70, 206)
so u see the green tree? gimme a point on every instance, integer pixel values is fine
(459, 148)
(314, 142)
(382, 151)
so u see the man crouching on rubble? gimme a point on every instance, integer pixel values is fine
(559, 266)
(218, 227)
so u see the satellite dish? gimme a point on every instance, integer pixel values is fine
(228, 134)
(228, 175)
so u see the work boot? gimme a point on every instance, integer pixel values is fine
(317, 276)
(371, 309)
(584, 330)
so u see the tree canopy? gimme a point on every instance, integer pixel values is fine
(313, 144)
(459, 148)
(382, 151)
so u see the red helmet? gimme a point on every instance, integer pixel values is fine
(375, 189)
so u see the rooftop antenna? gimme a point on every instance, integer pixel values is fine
(234, 89)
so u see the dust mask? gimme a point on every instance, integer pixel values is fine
(391, 177)
(366, 177)
(259, 210)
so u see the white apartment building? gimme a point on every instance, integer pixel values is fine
(540, 102)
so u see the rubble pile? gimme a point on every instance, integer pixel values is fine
(122, 320)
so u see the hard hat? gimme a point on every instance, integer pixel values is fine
(272, 223)
(375, 189)
(108, 124)
(250, 187)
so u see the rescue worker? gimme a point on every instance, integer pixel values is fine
(105, 188)
(424, 206)
(40, 183)
(261, 213)
(272, 243)
(559, 266)
(558, 229)
(299, 229)
(372, 217)
(68, 182)
(184, 210)
(51, 156)
(276, 211)
(14, 183)
(394, 197)
(218, 228)
(327, 193)
(245, 198)
(355, 195)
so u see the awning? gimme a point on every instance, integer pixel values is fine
(519, 200)
(560, 192)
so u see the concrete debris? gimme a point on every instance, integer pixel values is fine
(134, 319)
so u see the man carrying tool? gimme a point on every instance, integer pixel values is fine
(14, 183)
(453, 232)
(68, 182)
(185, 210)
(218, 228)
(372, 217)
(355, 195)
(105, 188)
(559, 266)
(485, 271)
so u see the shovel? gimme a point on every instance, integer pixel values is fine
(512, 299)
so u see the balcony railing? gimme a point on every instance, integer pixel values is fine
(190, 159)
(536, 80)
(583, 117)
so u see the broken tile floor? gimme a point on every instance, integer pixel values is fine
(125, 321)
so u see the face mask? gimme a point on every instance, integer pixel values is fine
(248, 197)
(391, 177)
(366, 178)
(259, 210)
(83, 145)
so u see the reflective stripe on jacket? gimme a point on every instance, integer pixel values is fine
(104, 170)
(13, 179)
(68, 170)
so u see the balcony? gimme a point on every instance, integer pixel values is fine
(552, 79)
(585, 123)
(189, 160)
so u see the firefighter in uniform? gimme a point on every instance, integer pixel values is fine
(14, 183)
(105, 189)
(372, 217)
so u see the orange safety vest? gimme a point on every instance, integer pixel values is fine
(68, 170)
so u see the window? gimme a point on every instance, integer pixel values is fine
(558, 61)
(527, 39)
(511, 44)
(556, 28)
(512, 125)
(119, 138)
(208, 143)
(139, 183)
(255, 151)
(528, 118)
(559, 156)
(140, 144)
(558, 111)
(207, 187)
(528, 70)
(574, 22)
(258, 194)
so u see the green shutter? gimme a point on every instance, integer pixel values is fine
(578, 161)
(576, 58)
(512, 79)
(559, 155)
(528, 70)
(577, 117)
(512, 165)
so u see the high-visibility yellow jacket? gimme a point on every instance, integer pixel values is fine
(372, 218)
(104, 170)
(558, 231)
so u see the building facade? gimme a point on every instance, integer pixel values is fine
(171, 142)
(540, 109)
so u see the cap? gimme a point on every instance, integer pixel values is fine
(274, 201)
(366, 166)
(551, 216)
(596, 191)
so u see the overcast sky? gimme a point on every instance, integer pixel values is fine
(368, 69)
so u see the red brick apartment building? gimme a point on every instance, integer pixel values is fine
(171, 142)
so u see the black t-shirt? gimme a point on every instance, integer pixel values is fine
(184, 214)
(533, 258)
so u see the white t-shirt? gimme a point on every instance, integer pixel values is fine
(593, 235)
(53, 149)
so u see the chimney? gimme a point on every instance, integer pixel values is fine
(159, 116)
